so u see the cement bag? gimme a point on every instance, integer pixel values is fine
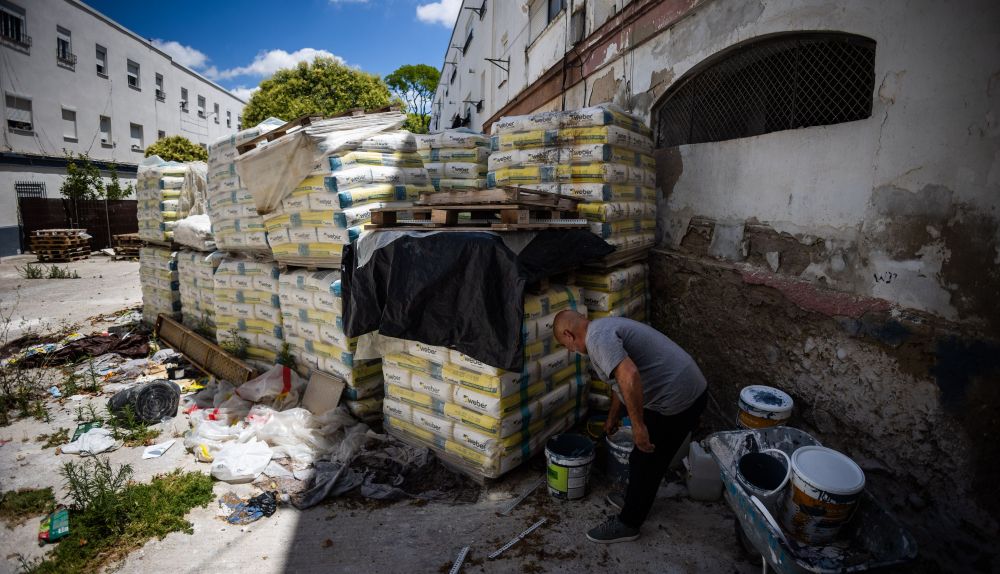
(280, 387)
(195, 231)
(272, 170)
(241, 462)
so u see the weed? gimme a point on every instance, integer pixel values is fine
(125, 426)
(21, 381)
(31, 271)
(285, 357)
(92, 384)
(71, 386)
(56, 272)
(115, 516)
(16, 507)
(39, 411)
(87, 414)
(235, 345)
(57, 438)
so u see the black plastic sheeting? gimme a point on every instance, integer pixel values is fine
(460, 290)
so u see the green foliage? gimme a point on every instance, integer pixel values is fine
(114, 516)
(125, 426)
(21, 386)
(83, 179)
(33, 271)
(113, 189)
(177, 148)
(286, 357)
(235, 345)
(16, 507)
(57, 438)
(415, 85)
(324, 87)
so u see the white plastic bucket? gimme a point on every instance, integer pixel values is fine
(765, 474)
(569, 457)
(763, 407)
(826, 485)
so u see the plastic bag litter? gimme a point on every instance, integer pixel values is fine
(241, 462)
(208, 437)
(279, 387)
(297, 433)
(195, 231)
(94, 441)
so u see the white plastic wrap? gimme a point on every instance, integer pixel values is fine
(195, 273)
(158, 280)
(167, 192)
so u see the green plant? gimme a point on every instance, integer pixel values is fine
(415, 85)
(83, 179)
(31, 271)
(126, 427)
(113, 189)
(322, 87)
(17, 506)
(21, 380)
(235, 345)
(117, 516)
(87, 414)
(177, 148)
(56, 272)
(286, 357)
(57, 438)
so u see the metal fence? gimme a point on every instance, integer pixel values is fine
(776, 83)
(102, 219)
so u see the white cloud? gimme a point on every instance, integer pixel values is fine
(183, 55)
(243, 92)
(443, 12)
(269, 62)
(348, 1)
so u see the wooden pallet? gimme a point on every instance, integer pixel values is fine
(57, 232)
(60, 245)
(488, 217)
(207, 356)
(508, 194)
(55, 241)
(301, 122)
(61, 258)
(617, 258)
(127, 245)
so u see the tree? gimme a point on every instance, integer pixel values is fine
(324, 87)
(83, 179)
(114, 189)
(177, 148)
(415, 85)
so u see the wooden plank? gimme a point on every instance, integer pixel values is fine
(617, 258)
(203, 354)
(444, 216)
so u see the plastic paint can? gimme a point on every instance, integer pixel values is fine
(762, 407)
(569, 457)
(826, 486)
(620, 446)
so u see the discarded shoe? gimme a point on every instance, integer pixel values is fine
(616, 499)
(612, 531)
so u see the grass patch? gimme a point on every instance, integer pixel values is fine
(16, 507)
(58, 438)
(112, 515)
(35, 271)
(125, 426)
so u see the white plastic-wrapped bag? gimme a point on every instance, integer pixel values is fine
(195, 231)
(241, 462)
(295, 433)
(280, 387)
(208, 437)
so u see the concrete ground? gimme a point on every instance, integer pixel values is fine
(45, 305)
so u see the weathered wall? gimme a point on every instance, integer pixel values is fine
(856, 266)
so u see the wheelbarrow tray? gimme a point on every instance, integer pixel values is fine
(873, 538)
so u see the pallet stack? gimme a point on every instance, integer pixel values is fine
(60, 245)
(127, 245)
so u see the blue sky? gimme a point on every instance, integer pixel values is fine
(239, 44)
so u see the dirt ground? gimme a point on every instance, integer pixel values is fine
(104, 286)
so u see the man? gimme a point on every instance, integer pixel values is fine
(663, 391)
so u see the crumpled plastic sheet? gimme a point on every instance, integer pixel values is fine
(94, 441)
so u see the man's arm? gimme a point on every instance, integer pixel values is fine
(628, 379)
(614, 414)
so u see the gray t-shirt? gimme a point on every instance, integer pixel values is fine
(671, 381)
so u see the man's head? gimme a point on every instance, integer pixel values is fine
(570, 329)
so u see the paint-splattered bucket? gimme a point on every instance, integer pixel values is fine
(765, 474)
(762, 407)
(620, 446)
(825, 489)
(569, 458)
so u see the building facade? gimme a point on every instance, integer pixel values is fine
(76, 82)
(829, 212)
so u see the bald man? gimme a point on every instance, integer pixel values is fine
(663, 391)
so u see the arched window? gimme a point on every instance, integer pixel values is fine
(770, 84)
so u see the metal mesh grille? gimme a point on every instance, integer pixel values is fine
(30, 188)
(770, 85)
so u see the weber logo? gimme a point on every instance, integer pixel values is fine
(476, 402)
(461, 170)
(505, 125)
(505, 158)
(479, 444)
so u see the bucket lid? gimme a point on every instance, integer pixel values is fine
(570, 445)
(766, 398)
(828, 470)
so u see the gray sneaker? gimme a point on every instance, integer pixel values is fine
(611, 531)
(616, 499)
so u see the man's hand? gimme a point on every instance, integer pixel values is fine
(610, 425)
(641, 437)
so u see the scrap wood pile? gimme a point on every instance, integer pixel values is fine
(60, 245)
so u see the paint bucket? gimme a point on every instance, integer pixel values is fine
(595, 426)
(826, 486)
(765, 473)
(569, 457)
(620, 446)
(762, 407)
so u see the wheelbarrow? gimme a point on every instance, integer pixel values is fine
(873, 538)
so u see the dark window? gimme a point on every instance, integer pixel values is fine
(454, 74)
(555, 7)
(768, 85)
(482, 10)
(12, 27)
(468, 42)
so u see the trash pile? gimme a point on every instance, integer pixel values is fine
(329, 208)
(484, 419)
(167, 192)
(455, 159)
(601, 154)
(235, 222)
(159, 281)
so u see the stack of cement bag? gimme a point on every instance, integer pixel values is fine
(617, 292)
(600, 154)
(312, 313)
(158, 279)
(482, 418)
(247, 309)
(167, 192)
(235, 221)
(329, 208)
(455, 159)
(196, 276)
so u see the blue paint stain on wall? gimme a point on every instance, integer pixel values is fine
(886, 331)
(958, 362)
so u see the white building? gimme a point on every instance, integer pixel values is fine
(75, 81)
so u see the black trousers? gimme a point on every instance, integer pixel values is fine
(646, 469)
